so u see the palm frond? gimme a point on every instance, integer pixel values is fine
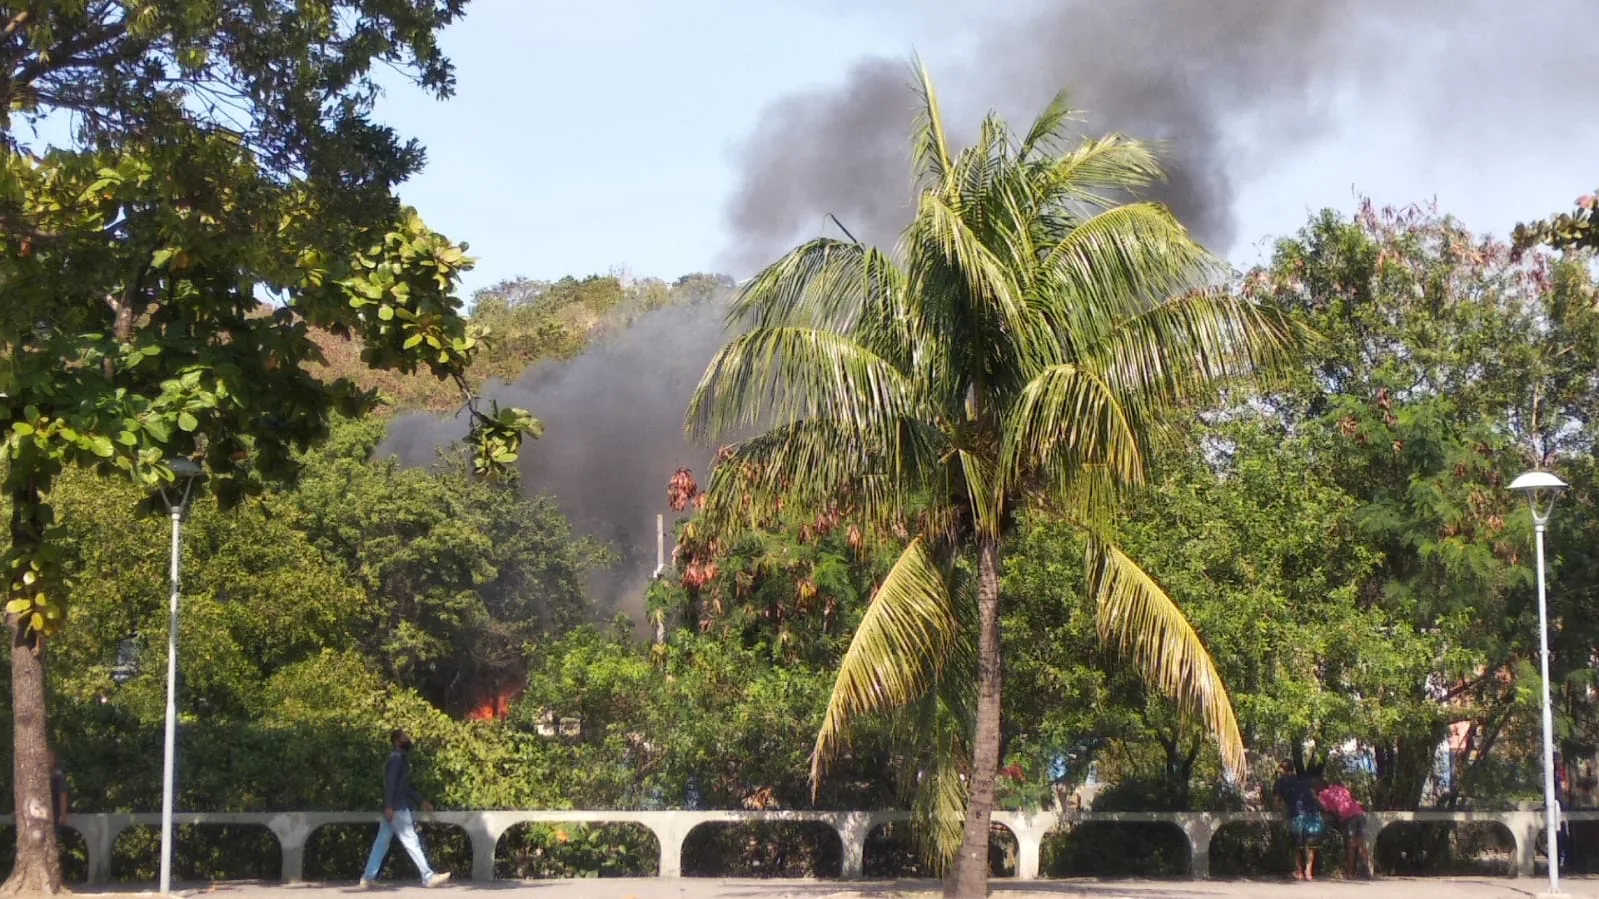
(901, 644)
(1116, 265)
(1100, 172)
(937, 730)
(1047, 133)
(783, 374)
(938, 806)
(1185, 347)
(959, 283)
(1138, 617)
(930, 155)
(1067, 419)
(1089, 496)
(823, 283)
(809, 467)
(985, 500)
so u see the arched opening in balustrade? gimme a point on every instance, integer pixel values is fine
(1540, 852)
(535, 850)
(1445, 847)
(1114, 849)
(200, 852)
(892, 851)
(1581, 854)
(339, 851)
(763, 849)
(1004, 852)
(1254, 849)
(74, 853)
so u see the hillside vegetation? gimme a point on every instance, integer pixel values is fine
(530, 321)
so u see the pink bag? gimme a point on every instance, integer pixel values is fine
(1338, 800)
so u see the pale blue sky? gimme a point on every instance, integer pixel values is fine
(599, 134)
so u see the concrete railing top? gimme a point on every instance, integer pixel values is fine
(485, 827)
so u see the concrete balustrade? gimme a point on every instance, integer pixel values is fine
(672, 828)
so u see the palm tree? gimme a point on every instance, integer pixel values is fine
(1017, 349)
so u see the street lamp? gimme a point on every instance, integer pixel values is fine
(185, 473)
(1541, 489)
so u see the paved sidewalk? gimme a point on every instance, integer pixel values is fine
(708, 888)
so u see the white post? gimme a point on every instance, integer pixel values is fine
(660, 566)
(172, 709)
(1551, 804)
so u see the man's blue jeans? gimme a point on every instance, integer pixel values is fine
(403, 826)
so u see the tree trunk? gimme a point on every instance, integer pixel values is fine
(38, 867)
(970, 877)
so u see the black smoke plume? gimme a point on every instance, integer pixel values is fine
(613, 420)
(1226, 89)
(1229, 87)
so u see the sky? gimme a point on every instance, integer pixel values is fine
(587, 137)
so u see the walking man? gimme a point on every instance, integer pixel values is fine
(400, 800)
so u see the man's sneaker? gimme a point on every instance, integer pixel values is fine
(364, 884)
(437, 880)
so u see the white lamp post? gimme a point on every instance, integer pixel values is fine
(177, 498)
(1541, 489)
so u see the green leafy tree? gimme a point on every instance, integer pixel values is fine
(213, 153)
(1018, 350)
(459, 572)
(1244, 522)
(1448, 365)
(701, 720)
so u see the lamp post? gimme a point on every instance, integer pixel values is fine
(186, 473)
(1541, 489)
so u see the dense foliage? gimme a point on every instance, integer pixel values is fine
(1339, 538)
(186, 190)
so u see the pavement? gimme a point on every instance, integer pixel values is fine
(714, 888)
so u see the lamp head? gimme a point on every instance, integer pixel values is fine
(185, 474)
(185, 469)
(1541, 489)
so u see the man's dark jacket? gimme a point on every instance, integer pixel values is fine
(398, 793)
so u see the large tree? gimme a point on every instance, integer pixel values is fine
(187, 188)
(1448, 363)
(1017, 349)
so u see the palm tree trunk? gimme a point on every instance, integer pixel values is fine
(970, 877)
(38, 866)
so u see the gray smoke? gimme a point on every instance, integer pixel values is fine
(1230, 86)
(613, 435)
(1225, 88)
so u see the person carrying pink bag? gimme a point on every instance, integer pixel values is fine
(1351, 818)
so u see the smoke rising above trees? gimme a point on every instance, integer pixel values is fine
(613, 424)
(1227, 89)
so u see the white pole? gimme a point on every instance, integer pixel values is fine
(660, 566)
(172, 709)
(1551, 807)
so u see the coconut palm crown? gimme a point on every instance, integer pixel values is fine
(1018, 348)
